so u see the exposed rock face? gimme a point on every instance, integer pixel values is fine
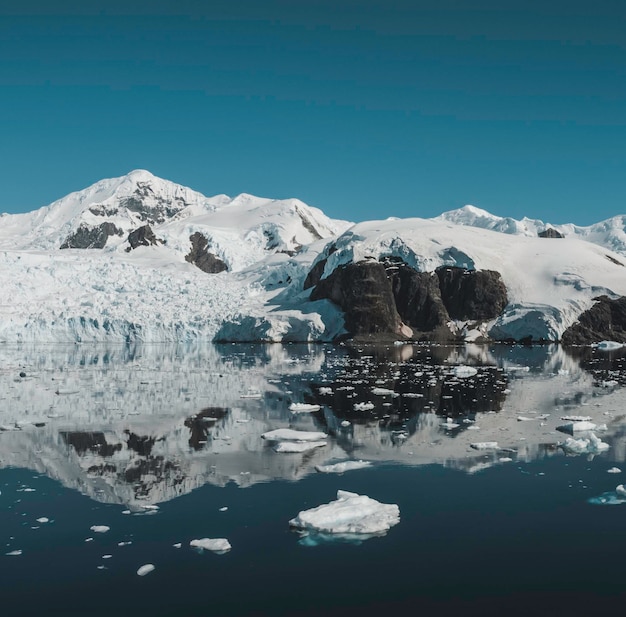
(417, 296)
(385, 297)
(363, 292)
(604, 321)
(200, 257)
(315, 273)
(142, 236)
(550, 233)
(87, 237)
(151, 207)
(472, 294)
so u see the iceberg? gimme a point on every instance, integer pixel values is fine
(590, 445)
(462, 372)
(484, 445)
(216, 545)
(293, 447)
(145, 569)
(349, 515)
(342, 467)
(288, 434)
(609, 345)
(303, 407)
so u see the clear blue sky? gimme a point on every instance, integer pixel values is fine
(364, 108)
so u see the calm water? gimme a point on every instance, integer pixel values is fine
(92, 436)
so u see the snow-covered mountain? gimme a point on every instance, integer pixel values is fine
(141, 258)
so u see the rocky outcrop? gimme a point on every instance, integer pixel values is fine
(88, 237)
(150, 206)
(363, 292)
(315, 273)
(142, 236)
(417, 296)
(604, 321)
(390, 297)
(200, 257)
(475, 295)
(550, 232)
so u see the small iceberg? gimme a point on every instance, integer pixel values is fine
(294, 447)
(303, 408)
(363, 406)
(145, 569)
(577, 427)
(215, 545)
(484, 445)
(288, 434)
(590, 445)
(342, 467)
(609, 345)
(384, 392)
(612, 498)
(463, 372)
(99, 528)
(351, 517)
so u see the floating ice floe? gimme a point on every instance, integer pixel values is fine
(303, 408)
(577, 427)
(43, 519)
(384, 392)
(449, 424)
(608, 345)
(145, 569)
(614, 470)
(363, 406)
(590, 445)
(484, 445)
(99, 528)
(412, 395)
(323, 390)
(293, 447)
(342, 466)
(462, 372)
(216, 545)
(612, 498)
(577, 418)
(288, 434)
(16, 553)
(351, 517)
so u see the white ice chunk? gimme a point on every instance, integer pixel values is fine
(288, 434)
(614, 470)
(577, 418)
(484, 445)
(99, 528)
(342, 466)
(145, 569)
(591, 445)
(462, 372)
(363, 406)
(323, 390)
(349, 514)
(609, 345)
(384, 392)
(303, 408)
(16, 553)
(217, 545)
(43, 519)
(292, 447)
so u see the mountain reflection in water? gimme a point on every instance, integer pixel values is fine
(146, 424)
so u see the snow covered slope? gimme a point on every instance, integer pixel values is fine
(610, 233)
(549, 281)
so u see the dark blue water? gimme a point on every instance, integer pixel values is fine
(515, 538)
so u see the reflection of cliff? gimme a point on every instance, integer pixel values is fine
(147, 426)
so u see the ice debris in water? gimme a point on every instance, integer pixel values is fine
(145, 569)
(363, 406)
(590, 445)
(217, 545)
(99, 528)
(350, 515)
(577, 418)
(343, 466)
(323, 390)
(288, 434)
(614, 470)
(612, 498)
(16, 553)
(303, 408)
(384, 392)
(43, 519)
(484, 445)
(293, 447)
(462, 372)
(609, 345)
(577, 427)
